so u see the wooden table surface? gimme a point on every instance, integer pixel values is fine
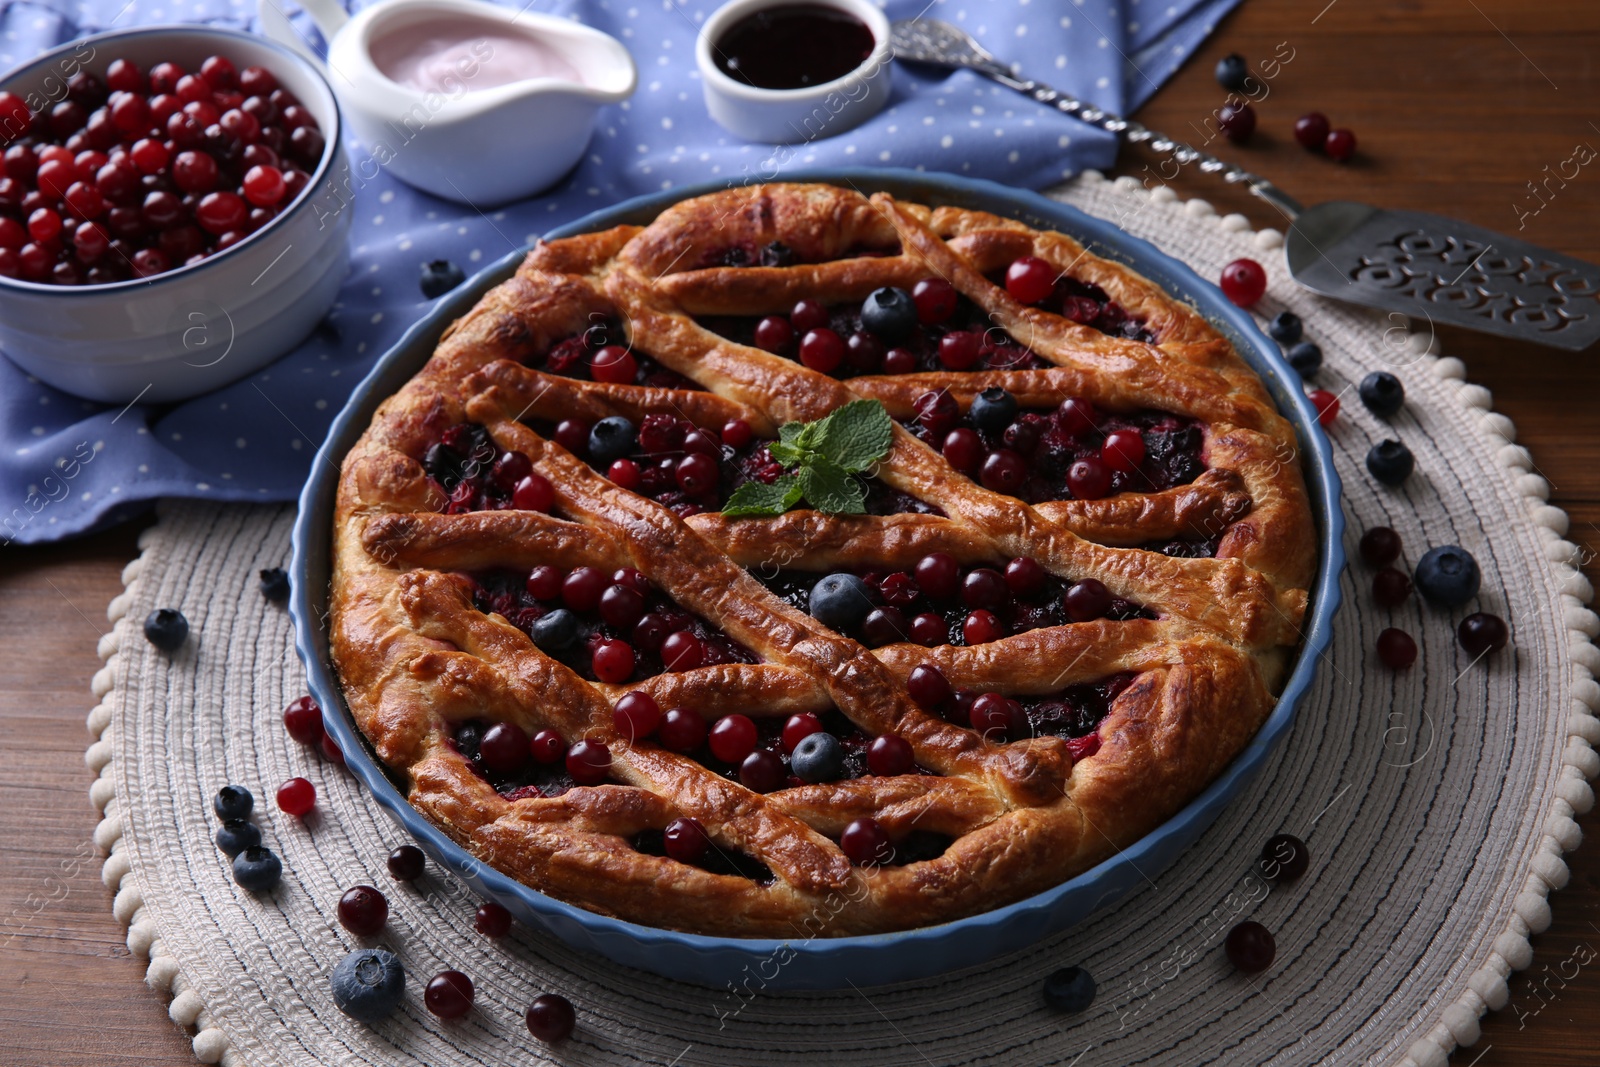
(1457, 104)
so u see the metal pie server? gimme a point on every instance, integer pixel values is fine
(1411, 262)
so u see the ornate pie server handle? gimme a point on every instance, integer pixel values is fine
(940, 44)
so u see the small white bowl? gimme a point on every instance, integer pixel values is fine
(192, 329)
(794, 116)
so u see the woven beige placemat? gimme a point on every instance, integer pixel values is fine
(1436, 803)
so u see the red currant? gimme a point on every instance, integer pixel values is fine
(612, 661)
(448, 995)
(1030, 279)
(774, 334)
(686, 840)
(822, 350)
(363, 910)
(798, 728)
(682, 730)
(1327, 406)
(297, 796)
(889, 755)
(589, 762)
(636, 716)
(613, 365)
(1311, 130)
(492, 920)
(866, 843)
(303, 719)
(732, 738)
(1340, 145)
(1243, 282)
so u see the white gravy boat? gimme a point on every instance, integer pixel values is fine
(464, 99)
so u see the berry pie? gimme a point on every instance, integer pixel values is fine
(813, 564)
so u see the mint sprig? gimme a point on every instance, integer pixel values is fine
(824, 455)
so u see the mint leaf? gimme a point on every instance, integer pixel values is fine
(788, 455)
(797, 434)
(855, 436)
(757, 498)
(829, 487)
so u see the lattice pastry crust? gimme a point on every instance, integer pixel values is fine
(417, 658)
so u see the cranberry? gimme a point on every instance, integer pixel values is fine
(149, 156)
(44, 225)
(67, 118)
(822, 350)
(13, 235)
(533, 493)
(56, 176)
(697, 474)
(660, 433)
(1283, 858)
(85, 201)
(21, 163)
(732, 737)
(621, 606)
(889, 755)
(1024, 576)
(774, 334)
(297, 796)
(1481, 633)
(257, 81)
(1237, 122)
(589, 762)
(938, 575)
(809, 315)
(16, 118)
(162, 209)
(581, 589)
(612, 661)
(964, 449)
(898, 588)
(449, 994)
(980, 627)
(407, 863)
(1250, 947)
(736, 433)
(899, 361)
(573, 435)
(547, 747)
(1390, 587)
(1077, 416)
(1380, 546)
(984, 588)
(652, 631)
(928, 688)
(219, 72)
(682, 730)
(960, 349)
(544, 582)
(1327, 406)
(1311, 130)
(130, 114)
(884, 626)
(117, 181)
(935, 299)
(1089, 479)
(263, 186)
(1396, 649)
(762, 771)
(492, 920)
(194, 172)
(863, 352)
(1087, 600)
(1340, 145)
(613, 365)
(1004, 471)
(937, 411)
(221, 211)
(998, 718)
(866, 843)
(10, 263)
(504, 748)
(124, 77)
(1123, 451)
(1030, 279)
(1243, 282)
(363, 911)
(686, 840)
(798, 728)
(303, 719)
(928, 630)
(636, 716)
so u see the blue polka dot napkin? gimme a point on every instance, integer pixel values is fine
(68, 466)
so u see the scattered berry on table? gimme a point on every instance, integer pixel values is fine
(1380, 546)
(363, 910)
(1391, 462)
(439, 276)
(1311, 130)
(233, 802)
(1232, 71)
(551, 1018)
(840, 601)
(492, 920)
(449, 994)
(1283, 858)
(1237, 122)
(1305, 357)
(236, 835)
(166, 628)
(1326, 405)
(819, 757)
(275, 584)
(1070, 989)
(1390, 588)
(407, 863)
(1285, 328)
(330, 750)
(1397, 649)
(1250, 947)
(297, 796)
(1243, 282)
(1448, 576)
(1481, 633)
(1340, 145)
(303, 719)
(257, 869)
(1382, 393)
(866, 842)
(367, 984)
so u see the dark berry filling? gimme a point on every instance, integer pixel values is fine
(612, 628)
(1083, 302)
(1074, 451)
(1074, 713)
(779, 254)
(1185, 548)
(714, 859)
(533, 778)
(602, 354)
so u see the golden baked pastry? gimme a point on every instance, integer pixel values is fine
(532, 565)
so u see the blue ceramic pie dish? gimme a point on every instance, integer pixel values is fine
(827, 963)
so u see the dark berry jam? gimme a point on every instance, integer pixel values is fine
(533, 779)
(583, 356)
(779, 254)
(793, 46)
(1088, 305)
(1185, 548)
(717, 859)
(1077, 710)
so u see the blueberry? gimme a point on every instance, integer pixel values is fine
(1232, 71)
(275, 584)
(611, 439)
(1390, 462)
(993, 409)
(236, 835)
(1069, 989)
(166, 628)
(818, 758)
(840, 601)
(889, 313)
(1285, 328)
(1305, 358)
(1448, 575)
(257, 869)
(367, 985)
(1382, 393)
(556, 631)
(233, 802)
(439, 276)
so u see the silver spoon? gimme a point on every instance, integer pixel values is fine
(1411, 262)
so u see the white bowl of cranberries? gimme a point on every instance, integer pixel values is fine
(174, 209)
